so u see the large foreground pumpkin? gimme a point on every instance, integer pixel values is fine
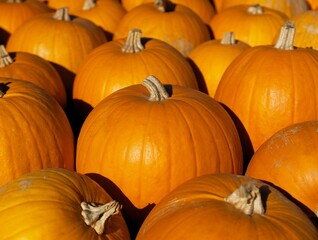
(59, 204)
(226, 206)
(35, 132)
(148, 142)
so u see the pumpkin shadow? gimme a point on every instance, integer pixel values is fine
(4, 36)
(199, 76)
(133, 216)
(77, 114)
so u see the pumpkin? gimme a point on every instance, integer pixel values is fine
(267, 89)
(35, 132)
(140, 138)
(58, 203)
(65, 42)
(289, 7)
(123, 62)
(252, 24)
(306, 25)
(72, 5)
(154, 20)
(211, 58)
(104, 13)
(32, 68)
(289, 160)
(226, 206)
(16, 12)
(313, 4)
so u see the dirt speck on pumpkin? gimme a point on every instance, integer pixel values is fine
(312, 29)
(25, 184)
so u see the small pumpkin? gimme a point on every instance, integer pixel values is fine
(226, 206)
(56, 203)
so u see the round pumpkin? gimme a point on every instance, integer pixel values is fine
(268, 89)
(252, 24)
(226, 206)
(211, 58)
(155, 21)
(32, 68)
(123, 62)
(289, 160)
(57, 203)
(35, 132)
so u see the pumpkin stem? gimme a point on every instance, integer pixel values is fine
(247, 198)
(62, 14)
(255, 9)
(15, 1)
(96, 215)
(165, 5)
(5, 58)
(155, 87)
(88, 4)
(228, 38)
(286, 37)
(133, 42)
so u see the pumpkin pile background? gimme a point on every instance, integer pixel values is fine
(147, 118)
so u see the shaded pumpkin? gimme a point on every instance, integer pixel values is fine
(32, 68)
(38, 205)
(155, 21)
(313, 4)
(252, 24)
(211, 58)
(35, 132)
(226, 206)
(289, 160)
(267, 89)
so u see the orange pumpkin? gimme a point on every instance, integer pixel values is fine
(123, 62)
(35, 131)
(313, 4)
(252, 24)
(32, 68)
(211, 58)
(267, 89)
(56, 203)
(226, 206)
(142, 137)
(289, 160)
(155, 21)
(72, 5)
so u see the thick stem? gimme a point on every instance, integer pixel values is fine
(286, 37)
(255, 9)
(15, 1)
(133, 42)
(88, 4)
(5, 58)
(165, 5)
(247, 198)
(62, 14)
(96, 215)
(156, 89)
(228, 38)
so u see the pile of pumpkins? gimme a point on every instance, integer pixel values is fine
(158, 119)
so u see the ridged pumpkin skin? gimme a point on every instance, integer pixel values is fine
(46, 204)
(268, 89)
(35, 132)
(148, 147)
(252, 24)
(197, 210)
(289, 160)
(186, 32)
(73, 5)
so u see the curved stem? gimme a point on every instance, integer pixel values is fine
(165, 5)
(247, 198)
(255, 9)
(156, 89)
(62, 14)
(5, 58)
(228, 38)
(133, 42)
(88, 4)
(96, 215)
(286, 37)
(15, 1)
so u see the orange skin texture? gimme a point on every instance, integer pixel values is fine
(197, 210)
(289, 160)
(253, 29)
(313, 4)
(181, 28)
(94, 81)
(141, 145)
(267, 89)
(212, 58)
(306, 25)
(32, 68)
(73, 5)
(38, 204)
(36, 133)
